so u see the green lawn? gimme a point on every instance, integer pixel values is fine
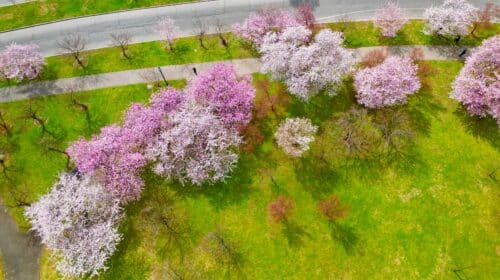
(49, 10)
(188, 50)
(2, 276)
(432, 214)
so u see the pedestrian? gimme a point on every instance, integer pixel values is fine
(462, 53)
(195, 71)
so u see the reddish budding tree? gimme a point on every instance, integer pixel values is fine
(305, 15)
(373, 58)
(333, 209)
(281, 209)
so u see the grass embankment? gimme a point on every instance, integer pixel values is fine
(188, 50)
(428, 215)
(36, 12)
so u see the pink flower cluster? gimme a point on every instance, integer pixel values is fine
(477, 86)
(257, 25)
(231, 98)
(390, 19)
(387, 84)
(20, 62)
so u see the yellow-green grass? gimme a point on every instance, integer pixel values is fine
(2, 273)
(36, 12)
(188, 50)
(364, 33)
(430, 216)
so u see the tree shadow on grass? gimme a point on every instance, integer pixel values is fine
(421, 108)
(484, 128)
(295, 234)
(316, 177)
(345, 235)
(234, 190)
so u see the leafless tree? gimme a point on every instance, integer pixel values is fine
(32, 113)
(122, 40)
(202, 31)
(53, 146)
(74, 44)
(4, 125)
(220, 28)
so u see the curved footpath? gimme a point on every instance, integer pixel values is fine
(184, 71)
(20, 251)
(139, 23)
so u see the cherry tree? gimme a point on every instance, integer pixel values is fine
(294, 135)
(278, 48)
(112, 158)
(257, 25)
(21, 62)
(167, 30)
(305, 15)
(390, 19)
(78, 220)
(452, 18)
(387, 84)
(323, 63)
(477, 86)
(230, 97)
(196, 148)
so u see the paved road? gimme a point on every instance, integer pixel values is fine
(20, 251)
(4, 3)
(139, 23)
(176, 72)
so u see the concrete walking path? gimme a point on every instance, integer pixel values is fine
(184, 71)
(20, 251)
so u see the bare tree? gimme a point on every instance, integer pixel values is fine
(4, 125)
(202, 31)
(32, 113)
(74, 44)
(220, 27)
(122, 40)
(52, 145)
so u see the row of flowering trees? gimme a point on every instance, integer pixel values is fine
(190, 135)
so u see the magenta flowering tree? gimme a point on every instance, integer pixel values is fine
(477, 86)
(257, 25)
(78, 220)
(388, 83)
(453, 18)
(321, 64)
(220, 89)
(21, 62)
(113, 158)
(278, 48)
(390, 19)
(305, 15)
(197, 147)
(167, 30)
(167, 99)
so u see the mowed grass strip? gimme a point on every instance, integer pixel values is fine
(30, 13)
(429, 215)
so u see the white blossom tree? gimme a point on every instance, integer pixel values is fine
(294, 135)
(78, 220)
(453, 18)
(167, 30)
(196, 148)
(323, 63)
(390, 19)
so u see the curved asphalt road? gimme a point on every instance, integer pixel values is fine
(139, 23)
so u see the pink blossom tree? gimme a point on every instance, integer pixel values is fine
(197, 147)
(278, 48)
(388, 83)
(21, 62)
(167, 30)
(453, 18)
(294, 136)
(78, 221)
(305, 15)
(390, 19)
(323, 63)
(257, 25)
(477, 86)
(230, 97)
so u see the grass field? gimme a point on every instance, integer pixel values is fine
(2, 276)
(430, 215)
(150, 54)
(49, 10)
